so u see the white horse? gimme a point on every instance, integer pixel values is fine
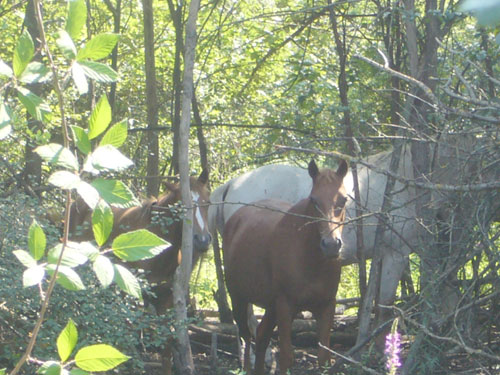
(292, 184)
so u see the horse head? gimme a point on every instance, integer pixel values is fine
(328, 198)
(200, 197)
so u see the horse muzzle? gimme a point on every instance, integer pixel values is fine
(330, 247)
(201, 242)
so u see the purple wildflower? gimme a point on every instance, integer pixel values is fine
(393, 350)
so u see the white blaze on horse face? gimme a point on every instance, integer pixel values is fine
(199, 218)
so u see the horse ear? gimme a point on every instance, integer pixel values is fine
(169, 186)
(313, 169)
(203, 177)
(342, 169)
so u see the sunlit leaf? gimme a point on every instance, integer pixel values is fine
(23, 53)
(99, 72)
(33, 276)
(66, 45)
(81, 139)
(108, 158)
(50, 368)
(67, 340)
(77, 16)
(25, 258)
(137, 245)
(36, 240)
(100, 357)
(115, 193)
(5, 119)
(64, 180)
(66, 277)
(100, 118)
(5, 70)
(35, 72)
(116, 135)
(127, 282)
(58, 155)
(88, 193)
(79, 78)
(35, 105)
(102, 222)
(99, 47)
(71, 256)
(104, 270)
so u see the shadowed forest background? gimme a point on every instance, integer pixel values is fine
(274, 81)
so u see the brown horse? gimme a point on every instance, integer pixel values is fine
(285, 259)
(161, 216)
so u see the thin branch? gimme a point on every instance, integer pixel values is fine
(492, 185)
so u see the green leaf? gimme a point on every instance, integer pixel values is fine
(35, 105)
(116, 135)
(36, 240)
(64, 180)
(127, 281)
(25, 258)
(5, 70)
(108, 158)
(57, 154)
(115, 193)
(137, 245)
(33, 276)
(99, 72)
(99, 357)
(104, 270)
(100, 117)
(35, 72)
(66, 45)
(77, 16)
(98, 47)
(79, 78)
(23, 53)
(67, 340)
(72, 257)
(81, 139)
(85, 248)
(102, 222)
(66, 277)
(88, 193)
(50, 368)
(5, 119)
(77, 371)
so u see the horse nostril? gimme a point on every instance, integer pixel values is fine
(339, 243)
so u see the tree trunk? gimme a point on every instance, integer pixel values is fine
(33, 168)
(176, 14)
(152, 179)
(117, 14)
(183, 358)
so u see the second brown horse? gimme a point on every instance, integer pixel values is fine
(286, 260)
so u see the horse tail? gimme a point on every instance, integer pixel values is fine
(220, 210)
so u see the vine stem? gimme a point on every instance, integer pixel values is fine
(48, 294)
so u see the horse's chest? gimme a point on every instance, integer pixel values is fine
(313, 287)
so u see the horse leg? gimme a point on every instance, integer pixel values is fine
(284, 316)
(240, 314)
(393, 265)
(324, 319)
(264, 334)
(166, 359)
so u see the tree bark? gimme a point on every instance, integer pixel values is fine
(176, 14)
(152, 180)
(33, 164)
(117, 14)
(183, 358)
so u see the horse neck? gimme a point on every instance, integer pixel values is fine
(301, 216)
(174, 229)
